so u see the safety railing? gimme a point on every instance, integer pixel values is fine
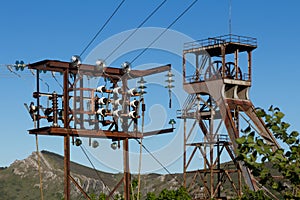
(221, 40)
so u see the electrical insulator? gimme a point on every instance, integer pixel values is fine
(133, 114)
(95, 144)
(100, 64)
(117, 113)
(55, 108)
(132, 92)
(134, 103)
(114, 145)
(118, 102)
(78, 142)
(142, 86)
(102, 112)
(117, 90)
(103, 101)
(126, 67)
(75, 60)
(101, 89)
(32, 108)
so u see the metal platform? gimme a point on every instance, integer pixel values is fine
(213, 45)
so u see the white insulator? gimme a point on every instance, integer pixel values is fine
(132, 92)
(76, 60)
(116, 113)
(117, 90)
(100, 63)
(101, 111)
(118, 102)
(134, 103)
(101, 89)
(133, 114)
(103, 101)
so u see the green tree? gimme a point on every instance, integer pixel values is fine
(151, 196)
(260, 157)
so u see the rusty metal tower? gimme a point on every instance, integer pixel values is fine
(217, 75)
(79, 112)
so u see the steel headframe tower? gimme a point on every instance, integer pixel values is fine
(218, 87)
(80, 112)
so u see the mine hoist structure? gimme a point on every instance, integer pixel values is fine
(218, 97)
(109, 111)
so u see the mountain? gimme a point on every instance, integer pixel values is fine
(21, 179)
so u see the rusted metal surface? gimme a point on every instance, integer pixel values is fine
(80, 188)
(76, 113)
(227, 86)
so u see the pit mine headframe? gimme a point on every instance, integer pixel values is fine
(218, 94)
(79, 112)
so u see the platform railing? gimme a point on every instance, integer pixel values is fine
(221, 40)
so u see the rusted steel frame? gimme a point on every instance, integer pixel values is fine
(203, 127)
(115, 188)
(84, 133)
(126, 172)
(81, 104)
(231, 181)
(184, 152)
(218, 128)
(223, 52)
(217, 159)
(158, 132)
(204, 157)
(67, 186)
(191, 157)
(193, 182)
(191, 130)
(60, 66)
(204, 183)
(80, 188)
(127, 181)
(236, 63)
(38, 99)
(249, 65)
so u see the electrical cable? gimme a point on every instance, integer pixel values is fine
(82, 148)
(158, 161)
(52, 73)
(163, 32)
(141, 24)
(101, 29)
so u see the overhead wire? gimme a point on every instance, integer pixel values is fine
(163, 32)
(135, 30)
(151, 154)
(101, 29)
(90, 161)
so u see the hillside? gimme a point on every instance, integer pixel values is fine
(21, 179)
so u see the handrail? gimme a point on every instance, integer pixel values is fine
(231, 38)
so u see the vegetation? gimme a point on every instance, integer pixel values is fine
(165, 194)
(257, 155)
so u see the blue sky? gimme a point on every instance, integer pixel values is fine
(35, 30)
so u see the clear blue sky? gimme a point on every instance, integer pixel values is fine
(35, 30)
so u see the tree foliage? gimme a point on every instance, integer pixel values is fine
(260, 156)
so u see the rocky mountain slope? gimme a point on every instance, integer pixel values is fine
(21, 179)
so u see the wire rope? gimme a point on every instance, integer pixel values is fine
(101, 29)
(163, 32)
